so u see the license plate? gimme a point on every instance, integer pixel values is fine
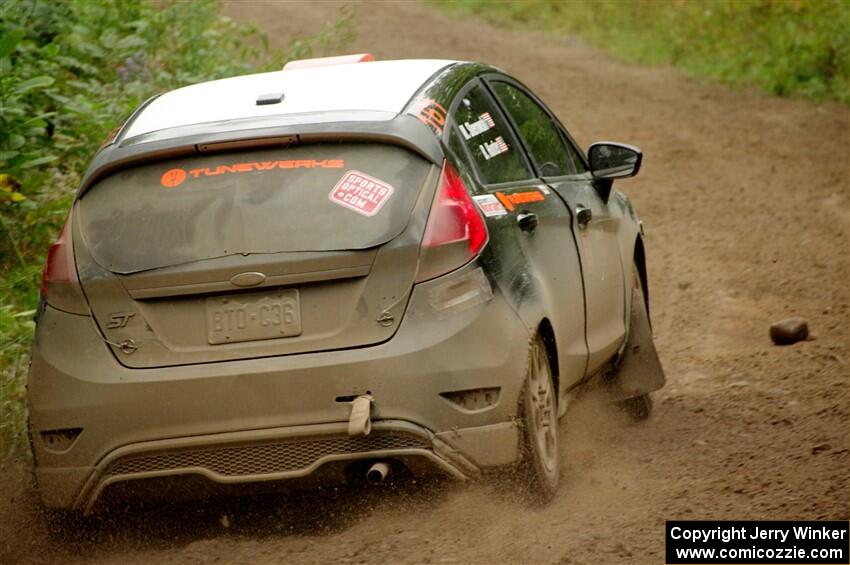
(255, 316)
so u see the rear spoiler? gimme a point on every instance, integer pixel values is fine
(403, 130)
(324, 61)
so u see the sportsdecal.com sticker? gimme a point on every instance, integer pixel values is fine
(482, 124)
(493, 148)
(490, 205)
(360, 192)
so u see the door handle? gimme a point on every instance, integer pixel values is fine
(527, 221)
(583, 216)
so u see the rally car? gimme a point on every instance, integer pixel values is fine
(345, 268)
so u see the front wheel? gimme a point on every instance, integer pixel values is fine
(541, 458)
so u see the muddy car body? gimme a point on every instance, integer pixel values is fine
(348, 266)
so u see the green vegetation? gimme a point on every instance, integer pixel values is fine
(787, 47)
(71, 72)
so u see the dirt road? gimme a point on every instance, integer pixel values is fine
(746, 199)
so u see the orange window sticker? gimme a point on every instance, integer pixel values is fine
(360, 192)
(432, 114)
(267, 166)
(172, 178)
(175, 177)
(510, 201)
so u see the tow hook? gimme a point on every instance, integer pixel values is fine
(360, 419)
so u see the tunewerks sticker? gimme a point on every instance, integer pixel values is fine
(490, 205)
(175, 177)
(360, 192)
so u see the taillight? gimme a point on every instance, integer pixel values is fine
(455, 232)
(60, 286)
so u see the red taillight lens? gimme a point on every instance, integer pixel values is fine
(455, 232)
(59, 267)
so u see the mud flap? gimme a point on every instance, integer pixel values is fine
(639, 371)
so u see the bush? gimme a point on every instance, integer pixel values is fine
(787, 47)
(71, 72)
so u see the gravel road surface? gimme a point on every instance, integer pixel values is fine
(746, 201)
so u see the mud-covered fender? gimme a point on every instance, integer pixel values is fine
(628, 238)
(542, 301)
(639, 370)
(534, 307)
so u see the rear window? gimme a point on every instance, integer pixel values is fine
(307, 198)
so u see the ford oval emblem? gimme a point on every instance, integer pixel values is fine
(248, 279)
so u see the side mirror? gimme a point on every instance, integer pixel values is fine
(609, 160)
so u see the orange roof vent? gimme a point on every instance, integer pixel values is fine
(323, 61)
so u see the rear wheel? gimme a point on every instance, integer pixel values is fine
(541, 459)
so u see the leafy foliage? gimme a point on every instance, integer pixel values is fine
(71, 72)
(15, 331)
(787, 47)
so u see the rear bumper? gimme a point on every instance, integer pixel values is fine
(271, 455)
(268, 405)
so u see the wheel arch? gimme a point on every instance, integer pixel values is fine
(640, 262)
(547, 334)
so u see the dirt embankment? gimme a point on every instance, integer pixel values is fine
(746, 199)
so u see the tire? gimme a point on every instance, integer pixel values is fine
(540, 464)
(638, 408)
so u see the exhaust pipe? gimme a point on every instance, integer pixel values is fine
(377, 473)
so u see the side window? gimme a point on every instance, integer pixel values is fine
(493, 148)
(553, 154)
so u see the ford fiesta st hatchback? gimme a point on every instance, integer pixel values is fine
(345, 267)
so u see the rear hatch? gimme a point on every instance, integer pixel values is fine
(258, 253)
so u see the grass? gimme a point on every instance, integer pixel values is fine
(71, 72)
(798, 48)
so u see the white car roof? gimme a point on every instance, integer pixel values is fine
(383, 86)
